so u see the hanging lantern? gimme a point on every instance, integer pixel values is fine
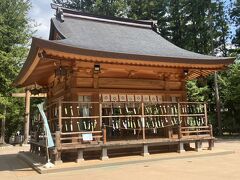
(97, 68)
(43, 90)
(35, 91)
(185, 72)
(61, 71)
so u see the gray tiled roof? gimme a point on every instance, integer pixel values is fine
(119, 37)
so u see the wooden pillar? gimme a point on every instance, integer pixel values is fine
(179, 114)
(27, 116)
(143, 122)
(210, 141)
(210, 144)
(60, 115)
(205, 114)
(96, 111)
(58, 159)
(210, 130)
(100, 115)
(179, 132)
(198, 145)
(104, 133)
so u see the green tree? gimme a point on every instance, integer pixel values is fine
(15, 32)
(235, 17)
(101, 7)
(155, 10)
(83, 5)
(230, 93)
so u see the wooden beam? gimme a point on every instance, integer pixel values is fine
(124, 91)
(24, 95)
(130, 83)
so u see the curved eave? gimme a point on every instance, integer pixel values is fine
(58, 46)
(29, 65)
(40, 44)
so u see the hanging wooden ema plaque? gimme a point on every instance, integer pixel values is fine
(174, 98)
(122, 97)
(146, 98)
(106, 97)
(159, 98)
(130, 98)
(153, 98)
(114, 97)
(138, 98)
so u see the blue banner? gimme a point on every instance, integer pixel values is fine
(46, 126)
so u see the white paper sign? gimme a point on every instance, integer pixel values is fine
(87, 137)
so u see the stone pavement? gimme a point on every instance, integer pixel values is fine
(203, 167)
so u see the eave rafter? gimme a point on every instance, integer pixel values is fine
(67, 57)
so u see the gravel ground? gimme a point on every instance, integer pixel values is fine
(209, 167)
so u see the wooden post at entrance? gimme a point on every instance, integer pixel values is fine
(27, 116)
(27, 95)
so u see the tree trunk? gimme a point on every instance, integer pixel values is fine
(218, 106)
(2, 138)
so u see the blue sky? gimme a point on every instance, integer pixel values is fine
(41, 13)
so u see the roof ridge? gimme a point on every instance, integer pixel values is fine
(62, 11)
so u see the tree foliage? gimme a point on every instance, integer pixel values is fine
(102, 7)
(15, 32)
(235, 17)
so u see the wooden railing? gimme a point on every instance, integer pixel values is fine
(195, 132)
(72, 119)
(74, 138)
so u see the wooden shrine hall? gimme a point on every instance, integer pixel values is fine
(115, 84)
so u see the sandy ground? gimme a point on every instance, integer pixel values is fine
(209, 168)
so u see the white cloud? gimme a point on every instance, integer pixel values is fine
(41, 13)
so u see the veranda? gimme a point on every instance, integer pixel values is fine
(103, 126)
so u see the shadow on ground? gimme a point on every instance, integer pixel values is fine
(10, 162)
